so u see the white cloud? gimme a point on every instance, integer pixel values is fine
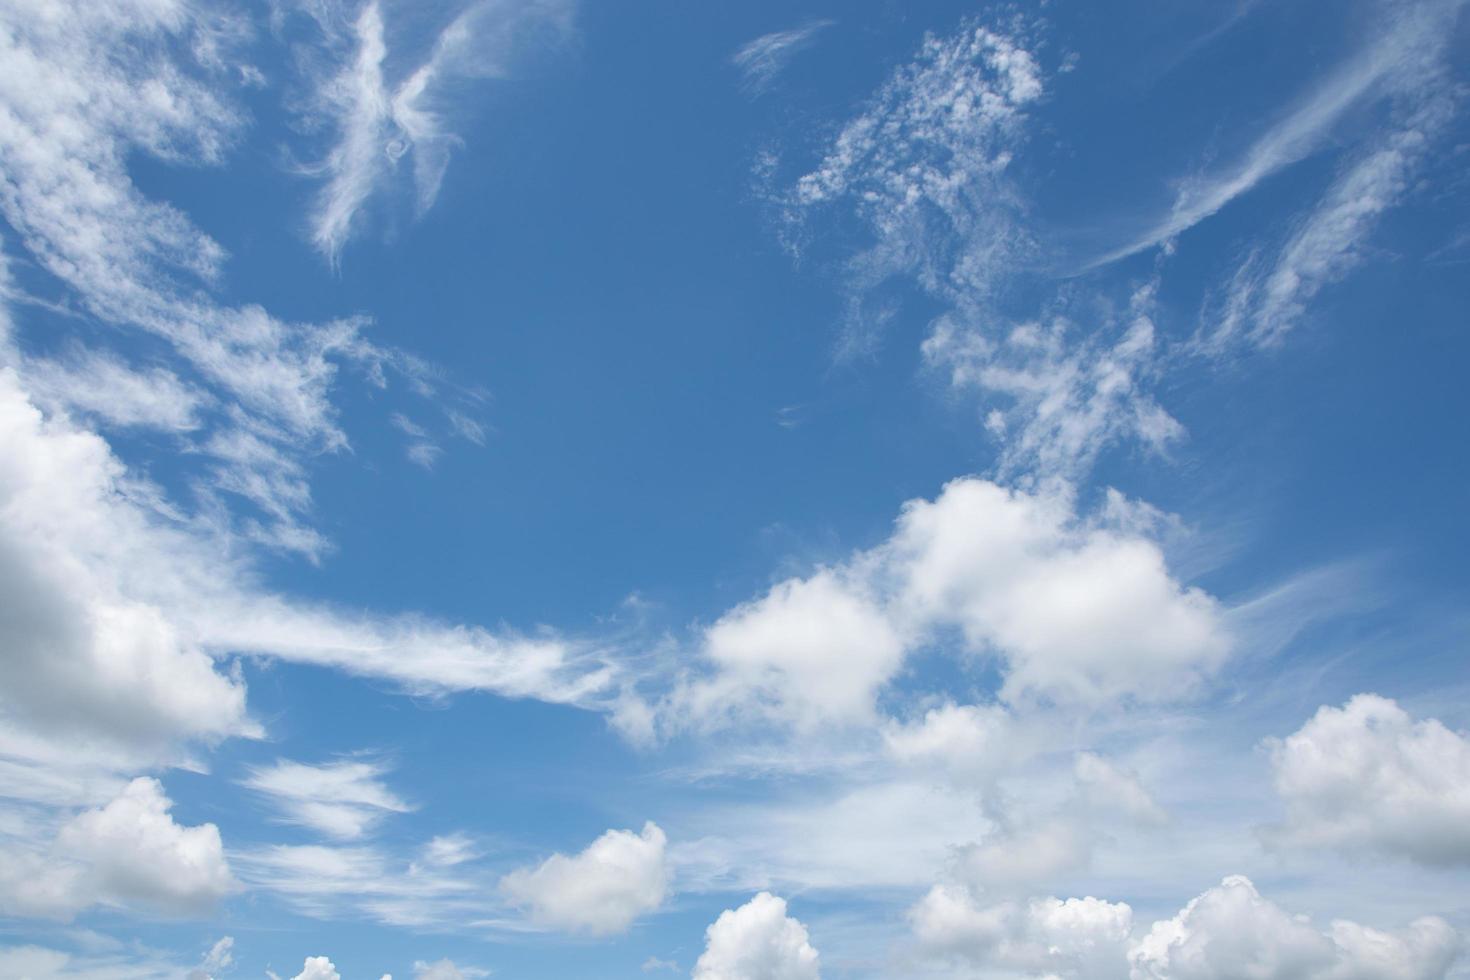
(923, 166)
(762, 59)
(1065, 398)
(102, 386)
(1107, 787)
(1230, 931)
(970, 743)
(221, 957)
(600, 891)
(32, 962)
(1368, 777)
(378, 122)
(1076, 611)
(1075, 938)
(810, 651)
(317, 968)
(129, 853)
(330, 882)
(1403, 55)
(445, 970)
(757, 941)
(340, 799)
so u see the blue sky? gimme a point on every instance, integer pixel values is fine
(532, 488)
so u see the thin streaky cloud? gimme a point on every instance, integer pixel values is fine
(761, 60)
(1296, 136)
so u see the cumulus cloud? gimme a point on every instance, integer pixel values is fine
(811, 650)
(600, 891)
(317, 968)
(1074, 938)
(764, 58)
(130, 854)
(340, 799)
(1231, 931)
(1077, 611)
(1369, 777)
(757, 941)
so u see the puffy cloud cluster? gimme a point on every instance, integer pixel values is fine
(1076, 611)
(1368, 777)
(1227, 933)
(1230, 931)
(619, 877)
(129, 854)
(757, 941)
(1078, 937)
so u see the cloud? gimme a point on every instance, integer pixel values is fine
(379, 122)
(317, 968)
(757, 941)
(1079, 611)
(1367, 777)
(762, 59)
(40, 963)
(327, 882)
(129, 853)
(340, 799)
(1107, 787)
(1413, 39)
(923, 167)
(1073, 938)
(600, 891)
(221, 957)
(1058, 399)
(1230, 931)
(969, 743)
(811, 650)
(101, 386)
(445, 970)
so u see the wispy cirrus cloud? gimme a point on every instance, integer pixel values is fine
(760, 61)
(383, 120)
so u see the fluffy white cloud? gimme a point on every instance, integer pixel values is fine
(341, 799)
(1230, 932)
(1080, 612)
(318, 968)
(757, 941)
(1367, 776)
(1077, 612)
(1078, 937)
(620, 876)
(811, 650)
(130, 853)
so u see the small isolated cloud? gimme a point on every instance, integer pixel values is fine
(1231, 931)
(600, 891)
(761, 60)
(340, 799)
(446, 970)
(1367, 777)
(757, 941)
